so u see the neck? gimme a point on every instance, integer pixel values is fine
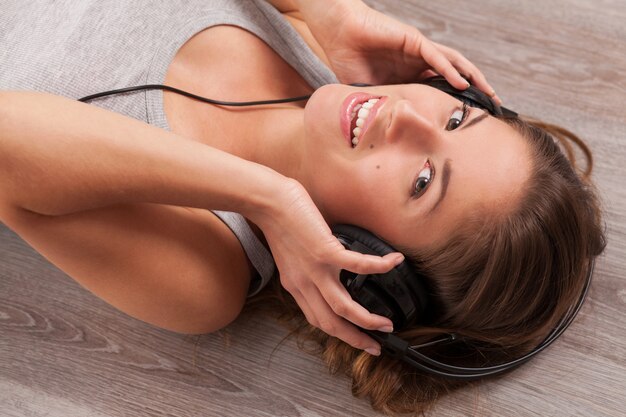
(273, 137)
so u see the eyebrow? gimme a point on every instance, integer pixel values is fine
(445, 179)
(447, 171)
(474, 121)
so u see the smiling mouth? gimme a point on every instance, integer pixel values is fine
(358, 112)
(359, 115)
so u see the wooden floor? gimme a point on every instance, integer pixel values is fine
(63, 352)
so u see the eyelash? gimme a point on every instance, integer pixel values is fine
(465, 110)
(431, 174)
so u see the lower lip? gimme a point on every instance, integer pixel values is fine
(346, 111)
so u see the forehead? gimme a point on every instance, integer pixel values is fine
(491, 166)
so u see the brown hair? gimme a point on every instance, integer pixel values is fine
(502, 283)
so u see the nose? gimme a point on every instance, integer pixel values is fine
(410, 124)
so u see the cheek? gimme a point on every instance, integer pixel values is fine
(370, 194)
(376, 177)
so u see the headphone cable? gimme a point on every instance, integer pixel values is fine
(190, 95)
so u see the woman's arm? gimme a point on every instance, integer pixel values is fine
(59, 156)
(365, 46)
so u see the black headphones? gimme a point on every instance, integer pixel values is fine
(400, 294)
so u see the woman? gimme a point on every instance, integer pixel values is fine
(290, 171)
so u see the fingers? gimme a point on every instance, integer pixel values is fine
(468, 70)
(328, 313)
(441, 64)
(328, 306)
(451, 64)
(340, 302)
(367, 264)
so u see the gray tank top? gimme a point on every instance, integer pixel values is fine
(76, 48)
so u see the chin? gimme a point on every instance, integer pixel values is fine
(322, 122)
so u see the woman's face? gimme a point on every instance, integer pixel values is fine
(419, 166)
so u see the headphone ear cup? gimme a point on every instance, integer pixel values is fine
(400, 289)
(369, 297)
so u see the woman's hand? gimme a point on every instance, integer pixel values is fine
(366, 46)
(309, 259)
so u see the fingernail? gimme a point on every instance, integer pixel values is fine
(373, 351)
(386, 329)
(492, 93)
(398, 258)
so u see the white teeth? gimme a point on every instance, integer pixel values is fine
(363, 111)
(354, 110)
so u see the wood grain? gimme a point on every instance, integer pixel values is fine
(64, 352)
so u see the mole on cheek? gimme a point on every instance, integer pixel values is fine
(377, 166)
(371, 146)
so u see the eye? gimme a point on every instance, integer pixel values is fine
(423, 180)
(457, 118)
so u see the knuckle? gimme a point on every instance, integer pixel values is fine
(416, 41)
(339, 307)
(311, 319)
(360, 264)
(356, 340)
(287, 285)
(319, 255)
(328, 326)
(449, 72)
(456, 54)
